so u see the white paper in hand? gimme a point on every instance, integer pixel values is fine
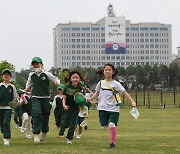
(134, 112)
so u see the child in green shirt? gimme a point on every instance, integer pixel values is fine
(7, 94)
(39, 82)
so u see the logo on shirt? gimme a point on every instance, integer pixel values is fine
(10, 90)
(43, 78)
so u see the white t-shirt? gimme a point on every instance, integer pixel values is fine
(106, 101)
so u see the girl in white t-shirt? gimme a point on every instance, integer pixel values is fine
(108, 109)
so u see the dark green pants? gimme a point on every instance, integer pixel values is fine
(68, 120)
(5, 119)
(18, 116)
(41, 111)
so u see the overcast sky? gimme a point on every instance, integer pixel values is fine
(26, 26)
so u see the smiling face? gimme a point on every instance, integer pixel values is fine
(6, 77)
(75, 79)
(108, 72)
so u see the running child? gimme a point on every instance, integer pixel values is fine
(7, 94)
(57, 105)
(71, 112)
(108, 110)
(27, 113)
(39, 82)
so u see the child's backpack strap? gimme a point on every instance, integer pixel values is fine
(104, 88)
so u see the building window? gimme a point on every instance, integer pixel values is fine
(102, 28)
(95, 28)
(85, 28)
(88, 34)
(83, 63)
(65, 28)
(144, 28)
(153, 28)
(83, 34)
(134, 28)
(163, 28)
(75, 28)
(122, 63)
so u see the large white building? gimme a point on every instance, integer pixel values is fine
(83, 44)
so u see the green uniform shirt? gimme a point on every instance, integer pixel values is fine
(7, 94)
(40, 84)
(70, 91)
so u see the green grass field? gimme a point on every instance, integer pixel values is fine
(156, 131)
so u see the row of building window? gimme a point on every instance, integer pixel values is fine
(83, 34)
(114, 63)
(147, 40)
(103, 35)
(83, 28)
(113, 57)
(102, 46)
(148, 46)
(64, 52)
(82, 40)
(147, 34)
(103, 28)
(83, 46)
(147, 28)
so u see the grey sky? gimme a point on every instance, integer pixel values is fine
(26, 26)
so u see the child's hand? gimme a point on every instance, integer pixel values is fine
(57, 83)
(133, 104)
(66, 107)
(88, 99)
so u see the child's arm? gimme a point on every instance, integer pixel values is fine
(129, 98)
(53, 78)
(64, 103)
(15, 94)
(94, 96)
(90, 91)
(29, 83)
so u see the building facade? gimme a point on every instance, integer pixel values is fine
(83, 44)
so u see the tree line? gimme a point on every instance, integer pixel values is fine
(139, 77)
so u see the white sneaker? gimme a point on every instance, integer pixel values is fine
(43, 136)
(78, 136)
(6, 141)
(36, 138)
(69, 141)
(22, 129)
(28, 136)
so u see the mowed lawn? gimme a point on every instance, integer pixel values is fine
(156, 131)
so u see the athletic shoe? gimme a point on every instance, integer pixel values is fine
(36, 138)
(43, 136)
(6, 141)
(112, 146)
(78, 136)
(69, 141)
(22, 129)
(28, 136)
(85, 127)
